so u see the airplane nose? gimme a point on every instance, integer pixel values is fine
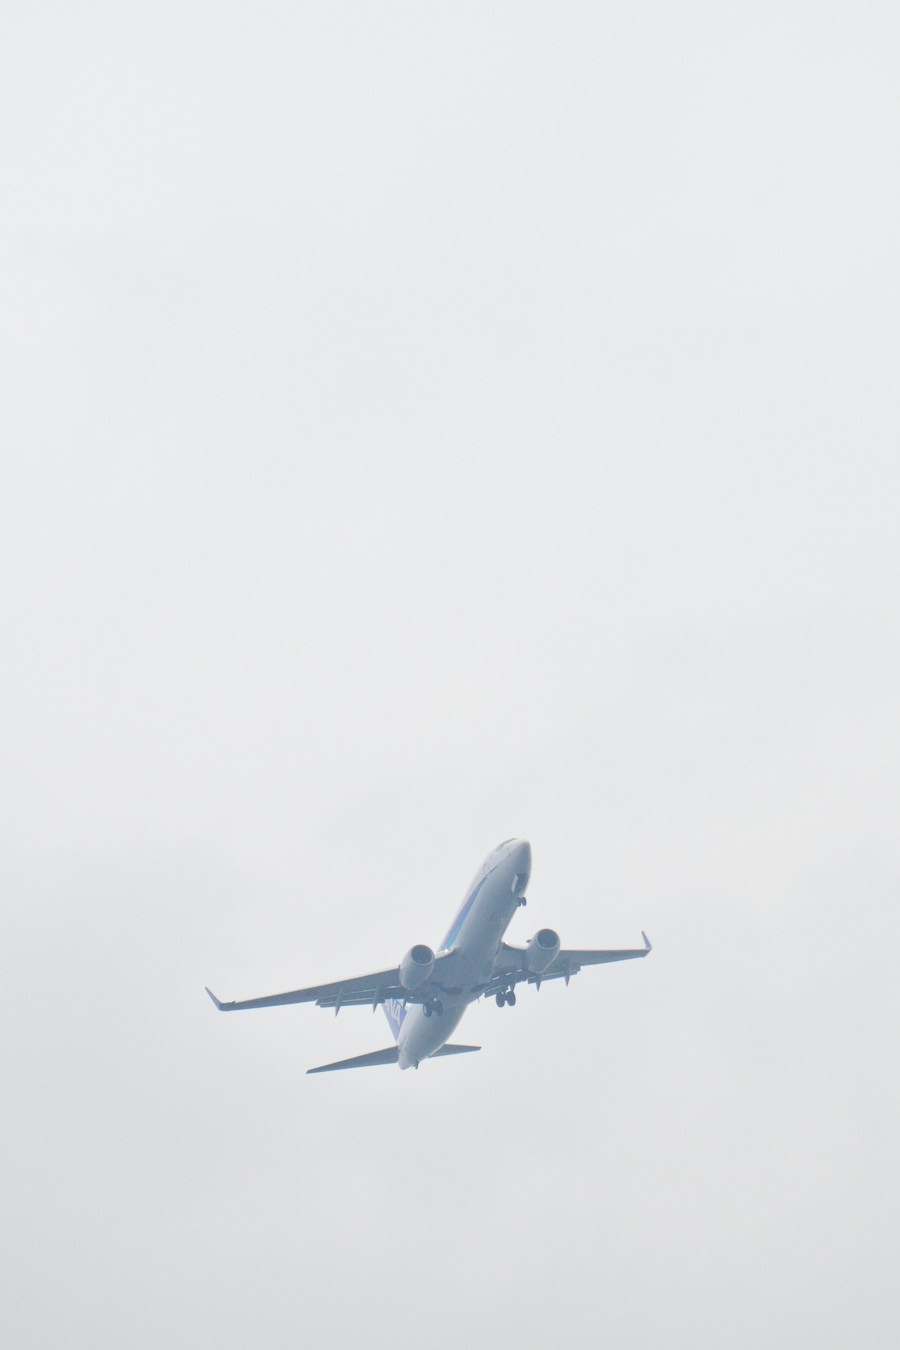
(520, 857)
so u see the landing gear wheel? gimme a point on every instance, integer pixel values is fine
(426, 1009)
(437, 1007)
(511, 998)
(501, 999)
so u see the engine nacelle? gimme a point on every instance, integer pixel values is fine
(541, 950)
(416, 966)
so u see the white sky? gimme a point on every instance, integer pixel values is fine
(423, 425)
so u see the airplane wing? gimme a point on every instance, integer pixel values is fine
(372, 989)
(510, 967)
(358, 990)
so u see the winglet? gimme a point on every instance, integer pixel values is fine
(214, 999)
(643, 935)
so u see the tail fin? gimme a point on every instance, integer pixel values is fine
(395, 1012)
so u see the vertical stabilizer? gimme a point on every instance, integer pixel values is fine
(394, 1011)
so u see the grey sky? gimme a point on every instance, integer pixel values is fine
(424, 425)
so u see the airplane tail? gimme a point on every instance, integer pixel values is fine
(395, 1012)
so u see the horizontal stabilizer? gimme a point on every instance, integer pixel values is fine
(388, 1056)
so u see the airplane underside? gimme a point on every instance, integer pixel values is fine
(425, 996)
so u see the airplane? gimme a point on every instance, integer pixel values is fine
(425, 997)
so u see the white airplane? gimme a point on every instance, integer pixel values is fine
(425, 997)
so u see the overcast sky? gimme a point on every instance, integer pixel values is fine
(426, 424)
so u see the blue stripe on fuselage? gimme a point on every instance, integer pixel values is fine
(462, 916)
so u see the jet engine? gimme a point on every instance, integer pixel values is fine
(416, 966)
(541, 950)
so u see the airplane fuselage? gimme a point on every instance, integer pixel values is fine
(472, 943)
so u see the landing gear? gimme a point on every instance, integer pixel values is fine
(435, 1006)
(506, 997)
(501, 999)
